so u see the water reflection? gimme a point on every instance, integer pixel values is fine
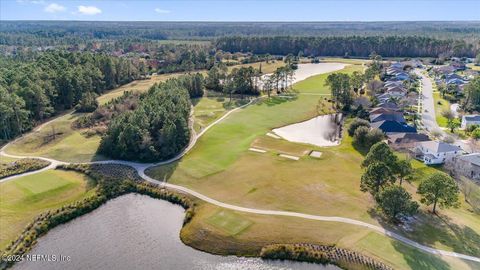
(137, 232)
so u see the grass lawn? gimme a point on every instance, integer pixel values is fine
(474, 67)
(144, 85)
(69, 144)
(209, 108)
(139, 86)
(201, 234)
(267, 68)
(229, 221)
(441, 105)
(221, 166)
(21, 200)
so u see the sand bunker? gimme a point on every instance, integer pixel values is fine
(307, 70)
(289, 157)
(257, 150)
(320, 131)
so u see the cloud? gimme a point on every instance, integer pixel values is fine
(162, 11)
(89, 10)
(53, 8)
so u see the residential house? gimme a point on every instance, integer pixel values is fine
(468, 120)
(435, 152)
(390, 126)
(390, 116)
(458, 65)
(404, 141)
(467, 166)
(378, 110)
(389, 105)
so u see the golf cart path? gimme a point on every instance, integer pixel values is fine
(141, 167)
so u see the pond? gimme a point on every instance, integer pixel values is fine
(137, 232)
(323, 130)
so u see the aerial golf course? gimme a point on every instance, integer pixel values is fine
(221, 166)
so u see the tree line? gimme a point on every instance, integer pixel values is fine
(55, 81)
(355, 46)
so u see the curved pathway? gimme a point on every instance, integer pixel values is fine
(141, 167)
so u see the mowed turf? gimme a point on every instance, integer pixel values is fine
(24, 198)
(221, 166)
(140, 85)
(229, 222)
(441, 105)
(69, 144)
(209, 108)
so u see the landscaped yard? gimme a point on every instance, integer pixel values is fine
(441, 105)
(68, 144)
(21, 200)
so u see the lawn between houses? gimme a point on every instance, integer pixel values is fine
(221, 166)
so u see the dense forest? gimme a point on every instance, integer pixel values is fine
(52, 82)
(48, 33)
(355, 46)
(157, 129)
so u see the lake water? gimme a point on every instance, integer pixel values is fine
(323, 130)
(137, 232)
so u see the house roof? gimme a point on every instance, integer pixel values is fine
(395, 88)
(378, 110)
(388, 105)
(472, 118)
(407, 137)
(389, 126)
(472, 158)
(439, 147)
(393, 116)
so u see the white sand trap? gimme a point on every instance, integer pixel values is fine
(319, 131)
(257, 150)
(308, 70)
(269, 134)
(316, 154)
(289, 157)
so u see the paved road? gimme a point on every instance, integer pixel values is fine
(429, 120)
(141, 167)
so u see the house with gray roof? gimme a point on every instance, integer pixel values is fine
(468, 120)
(392, 116)
(405, 141)
(468, 166)
(436, 152)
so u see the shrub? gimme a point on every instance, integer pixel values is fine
(356, 124)
(22, 166)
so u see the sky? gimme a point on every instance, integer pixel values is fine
(241, 10)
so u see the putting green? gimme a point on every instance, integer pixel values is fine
(24, 198)
(229, 222)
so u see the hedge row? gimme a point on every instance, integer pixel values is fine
(321, 254)
(106, 189)
(22, 166)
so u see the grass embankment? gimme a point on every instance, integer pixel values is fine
(21, 200)
(221, 166)
(58, 140)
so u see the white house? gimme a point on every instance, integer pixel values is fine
(434, 152)
(468, 120)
